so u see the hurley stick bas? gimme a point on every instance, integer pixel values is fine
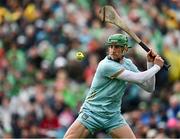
(109, 15)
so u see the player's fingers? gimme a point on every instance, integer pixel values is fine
(157, 56)
(154, 54)
(161, 59)
(149, 52)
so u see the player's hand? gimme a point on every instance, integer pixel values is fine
(151, 56)
(159, 61)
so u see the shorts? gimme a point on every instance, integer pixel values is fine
(94, 121)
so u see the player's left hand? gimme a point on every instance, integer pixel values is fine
(151, 55)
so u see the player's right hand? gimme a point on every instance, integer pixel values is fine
(151, 55)
(159, 61)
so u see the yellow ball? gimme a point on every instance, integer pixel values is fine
(79, 56)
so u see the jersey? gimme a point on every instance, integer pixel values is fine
(106, 91)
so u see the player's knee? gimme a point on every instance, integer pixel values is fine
(71, 134)
(68, 135)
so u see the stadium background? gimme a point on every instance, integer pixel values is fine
(42, 85)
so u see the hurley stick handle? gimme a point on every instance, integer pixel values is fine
(165, 66)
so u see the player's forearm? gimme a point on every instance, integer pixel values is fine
(149, 85)
(149, 65)
(139, 77)
(152, 81)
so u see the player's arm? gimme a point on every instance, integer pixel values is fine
(149, 85)
(142, 78)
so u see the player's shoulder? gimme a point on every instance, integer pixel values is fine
(107, 62)
(130, 64)
(128, 60)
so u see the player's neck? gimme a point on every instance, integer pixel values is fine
(119, 59)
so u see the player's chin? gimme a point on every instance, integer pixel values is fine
(115, 57)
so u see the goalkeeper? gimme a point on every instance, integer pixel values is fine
(102, 106)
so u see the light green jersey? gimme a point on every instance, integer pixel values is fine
(106, 91)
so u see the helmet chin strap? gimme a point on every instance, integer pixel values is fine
(124, 51)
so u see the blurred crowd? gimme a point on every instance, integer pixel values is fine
(42, 84)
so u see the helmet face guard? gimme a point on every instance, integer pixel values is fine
(118, 40)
